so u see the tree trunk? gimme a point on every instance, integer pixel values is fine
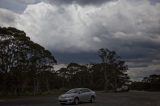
(47, 85)
(106, 82)
(106, 86)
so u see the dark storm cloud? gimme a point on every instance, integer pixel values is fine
(81, 57)
(20, 5)
(17, 6)
(154, 1)
(12, 5)
(140, 48)
(81, 2)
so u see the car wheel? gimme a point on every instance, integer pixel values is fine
(76, 101)
(92, 99)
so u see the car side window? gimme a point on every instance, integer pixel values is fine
(81, 91)
(85, 90)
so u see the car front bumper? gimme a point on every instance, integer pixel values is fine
(66, 100)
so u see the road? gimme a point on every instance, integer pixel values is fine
(133, 98)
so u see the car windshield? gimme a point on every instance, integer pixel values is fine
(72, 91)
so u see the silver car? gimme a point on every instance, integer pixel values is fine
(77, 95)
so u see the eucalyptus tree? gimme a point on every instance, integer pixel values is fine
(22, 61)
(75, 75)
(97, 78)
(114, 69)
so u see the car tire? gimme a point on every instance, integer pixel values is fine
(92, 100)
(76, 101)
(62, 103)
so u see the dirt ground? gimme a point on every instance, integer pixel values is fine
(132, 98)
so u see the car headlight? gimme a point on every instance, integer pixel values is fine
(66, 97)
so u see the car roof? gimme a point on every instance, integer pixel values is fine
(80, 88)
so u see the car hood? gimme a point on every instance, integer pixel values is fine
(68, 95)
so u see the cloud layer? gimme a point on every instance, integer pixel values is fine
(130, 27)
(80, 2)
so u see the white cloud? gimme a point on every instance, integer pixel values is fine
(7, 18)
(56, 27)
(79, 28)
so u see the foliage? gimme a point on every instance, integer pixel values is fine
(75, 75)
(114, 69)
(90, 76)
(27, 68)
(23, 63)
(151, 83)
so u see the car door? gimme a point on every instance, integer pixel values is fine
(81, 95)
(85, 95)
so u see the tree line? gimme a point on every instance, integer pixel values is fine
(27, 67)
(108, 75)
(151, 83)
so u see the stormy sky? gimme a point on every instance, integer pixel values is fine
(74, 30)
